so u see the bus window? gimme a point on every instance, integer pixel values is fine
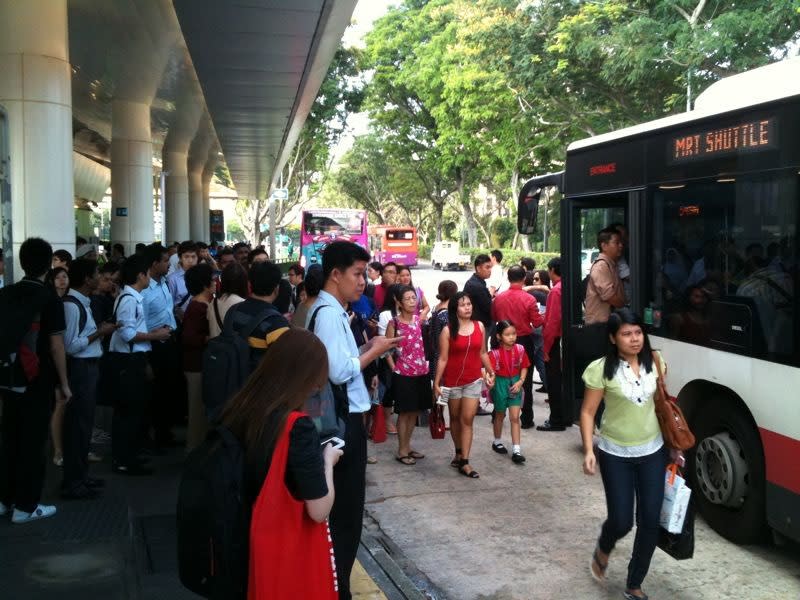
(724, 255)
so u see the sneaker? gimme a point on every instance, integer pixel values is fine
(499, 448)
(100, 437)
(42, 511)
(518, 458)
(94, 457)
(58, 460)
(5, 509)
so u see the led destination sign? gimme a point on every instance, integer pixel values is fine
(745, 137)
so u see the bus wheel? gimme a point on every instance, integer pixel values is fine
(726, 470)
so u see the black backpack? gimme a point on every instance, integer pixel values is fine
(213, 518)
(227, 361)
(82, 314)
(21, 306)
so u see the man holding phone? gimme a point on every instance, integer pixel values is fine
(343, 267)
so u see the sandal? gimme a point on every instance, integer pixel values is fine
(601, 578)
(628, 596)
(371, 460)
(472, 473)
(415, 454)
(456, 462)
(406, 460)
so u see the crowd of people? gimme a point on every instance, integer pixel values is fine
(131, 334)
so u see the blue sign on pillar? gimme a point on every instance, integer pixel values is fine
(121, 211)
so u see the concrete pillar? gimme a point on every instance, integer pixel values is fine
(131, 174)
(176, 201)
(36, 92)
(196, 219)
(198, 157)
(208, 175)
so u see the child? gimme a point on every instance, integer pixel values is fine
(511, 364)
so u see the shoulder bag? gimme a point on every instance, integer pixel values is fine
(674, 428)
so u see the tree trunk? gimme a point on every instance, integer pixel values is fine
(469, 217)
(438, 210)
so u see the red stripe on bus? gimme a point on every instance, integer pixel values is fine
(780, 456)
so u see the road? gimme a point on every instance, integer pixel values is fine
(526, 532)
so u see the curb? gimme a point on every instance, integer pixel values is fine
(392, 571)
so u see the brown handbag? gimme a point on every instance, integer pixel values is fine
(674, 429)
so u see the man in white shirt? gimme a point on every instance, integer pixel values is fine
(343, 265)
(497, 278)
(187, 253)
(82, 341)
(130, 344)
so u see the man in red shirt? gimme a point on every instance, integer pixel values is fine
(559, 419)
(519, 307)
(388, 278)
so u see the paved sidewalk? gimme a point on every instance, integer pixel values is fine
(526, 532)
(122, 545)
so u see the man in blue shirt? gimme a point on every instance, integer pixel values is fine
(82, 341)
(187, 258)
(343, 266)
(169, 384)
(130, 344)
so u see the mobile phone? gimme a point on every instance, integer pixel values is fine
(335, 442)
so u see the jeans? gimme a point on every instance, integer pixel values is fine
(624, 479)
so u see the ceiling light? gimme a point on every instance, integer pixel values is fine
(726, 179)
(672, 187)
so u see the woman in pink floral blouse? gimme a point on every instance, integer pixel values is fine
(411, 383)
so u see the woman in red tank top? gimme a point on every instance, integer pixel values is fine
(459, 378)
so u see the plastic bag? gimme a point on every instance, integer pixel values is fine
(676, 500)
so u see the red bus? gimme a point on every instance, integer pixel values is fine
(394, 244)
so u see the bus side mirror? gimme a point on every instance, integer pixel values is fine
(527, 209)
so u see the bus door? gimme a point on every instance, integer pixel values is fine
(5, 198)
(582, 219)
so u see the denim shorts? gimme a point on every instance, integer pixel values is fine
(469, 390)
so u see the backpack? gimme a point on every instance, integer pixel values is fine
(585, 281)
(82, 315)
(226, 361)
(213, 518)
(20, 322)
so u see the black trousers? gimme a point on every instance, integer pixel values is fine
(168, 399)
(347, 514)
(527, 385)
(25, 428)
(131, 396)
(79, 418)
(559, 413)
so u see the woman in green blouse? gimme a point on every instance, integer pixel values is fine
(631, 452)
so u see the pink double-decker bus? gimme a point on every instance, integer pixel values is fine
(321, 226)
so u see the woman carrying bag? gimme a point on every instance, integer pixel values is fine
(631, 451)
(288, 476)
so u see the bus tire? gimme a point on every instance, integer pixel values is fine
(726, 472)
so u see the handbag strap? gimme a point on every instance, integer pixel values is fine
(662, 386)
(276, 475)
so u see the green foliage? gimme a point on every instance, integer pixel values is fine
(512, 257)
(234, 231)
(502, 231)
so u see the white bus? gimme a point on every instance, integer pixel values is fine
(711, 199)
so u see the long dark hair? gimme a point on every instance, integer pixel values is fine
(398, 291)
(452, 313)
(293, 367)
(618, 318)
(388, 302)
